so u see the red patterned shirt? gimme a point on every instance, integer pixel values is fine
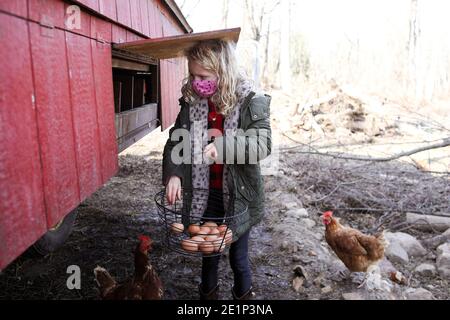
(215, 121)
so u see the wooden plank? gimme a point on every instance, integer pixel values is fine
(136, 23)
(119, 34)
(101, 29)
(169, 109)
(177, 18)
(129, 65)
(101, 58)
(131, 36)
(55, 123)
(108, 9)
(174, 46)
(124, 12)
(172, 72)
(167, 30)
(155, 20)
(84, 111)
(143, 4)
(17, 7)
(134, 124)
(47, 12)
(22, 208)
(92, 4)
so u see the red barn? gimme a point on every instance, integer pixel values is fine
(80, 81)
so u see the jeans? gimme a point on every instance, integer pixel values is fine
(238, 258)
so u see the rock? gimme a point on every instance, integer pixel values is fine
(295, 173)
(318, 236)
(297, 213)
(338, 271)
(309, 223)
(285, 245)
(411, 245)
(300, 271)
(290, 205)
(396, 253)
(357, 277)
(320, 281)
(326, 290)
(443, 248)
(297, 284)
(352, 296)
(288, 197)
(426, 269)
(418, 294)
(443, 260)
(438, 240)
(386, 267)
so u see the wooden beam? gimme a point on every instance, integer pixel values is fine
(176, 46)
(129, 65)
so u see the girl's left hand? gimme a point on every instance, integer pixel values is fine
(210, 151)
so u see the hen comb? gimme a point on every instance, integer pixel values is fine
(328, 214)
(144, 238)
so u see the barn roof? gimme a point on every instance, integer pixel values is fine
(176, 11)
(176, 46)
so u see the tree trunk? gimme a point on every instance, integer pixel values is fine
(285, 70)
(225, 10)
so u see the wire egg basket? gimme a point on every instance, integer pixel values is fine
(202, 222)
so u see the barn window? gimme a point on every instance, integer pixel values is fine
(136, 96)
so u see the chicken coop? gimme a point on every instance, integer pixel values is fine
(80, 82)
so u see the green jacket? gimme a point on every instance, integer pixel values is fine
(248, 183)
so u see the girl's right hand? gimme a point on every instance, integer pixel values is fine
(173, 189)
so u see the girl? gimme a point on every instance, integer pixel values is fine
(218, 99)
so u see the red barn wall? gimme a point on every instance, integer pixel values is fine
(57, 107)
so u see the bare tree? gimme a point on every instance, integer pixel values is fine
(413, 48)
(225, 10)
(259, 13)
(285, 69)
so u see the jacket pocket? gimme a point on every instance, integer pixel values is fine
(246, 182)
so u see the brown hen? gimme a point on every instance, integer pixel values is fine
(144, 285)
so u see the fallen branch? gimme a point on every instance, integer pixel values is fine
(444, 143)
(436, 241)
(427, 222)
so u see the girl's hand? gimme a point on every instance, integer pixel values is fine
(210, 151)
(173, 189)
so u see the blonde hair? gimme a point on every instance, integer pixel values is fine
(219, 57)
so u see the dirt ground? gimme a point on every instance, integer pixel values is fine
(108, 223)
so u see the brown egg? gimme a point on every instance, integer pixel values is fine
(219, 245)
(204, 231)
(177, 227)
(214, 231)
(193, 229)
(210, 224)
(222, 228)
(211, 238)
(206, 247)
(189, 245)
(229, 237)
(197, 239)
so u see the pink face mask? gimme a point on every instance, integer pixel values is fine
(204, 88)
